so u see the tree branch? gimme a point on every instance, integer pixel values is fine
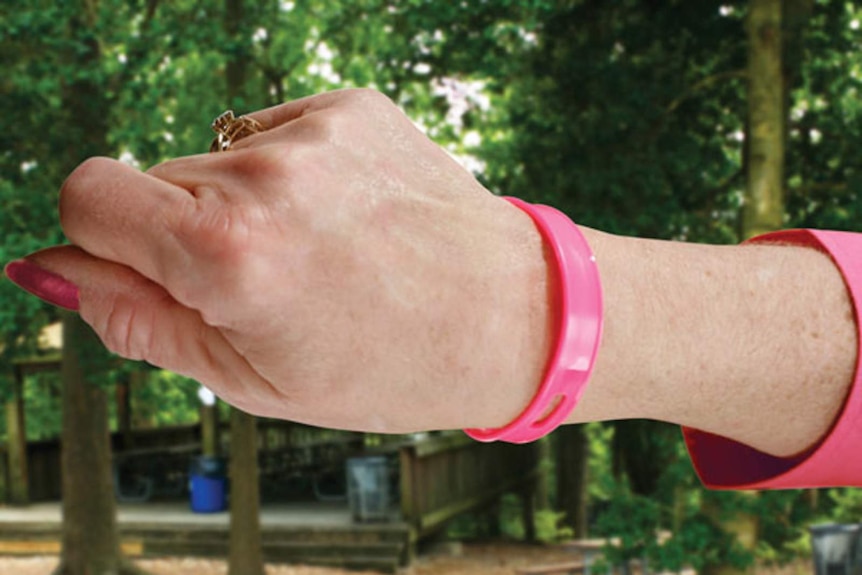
(703, 84)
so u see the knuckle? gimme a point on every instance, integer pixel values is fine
(334, 126)
(163, 170)
(123, 331)
(369, 96)
(82, 179)
(89, 168)
(262, 163)
(221, 233)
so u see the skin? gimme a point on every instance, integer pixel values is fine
(341, 270)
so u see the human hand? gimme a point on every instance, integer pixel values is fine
(338, 269)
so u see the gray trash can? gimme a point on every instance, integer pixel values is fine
(836, 549)
(368, 488)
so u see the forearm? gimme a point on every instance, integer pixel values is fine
(755, 343)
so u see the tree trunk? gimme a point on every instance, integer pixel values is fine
(764, 198)
(543, 496)
(123, 399)
(209, 430)
(91, 541)
(16, 443)
(571, 444)
(90, 538)
(246, 556)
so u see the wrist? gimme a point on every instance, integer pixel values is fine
(576, 310)
(733, 340)
(616, 390)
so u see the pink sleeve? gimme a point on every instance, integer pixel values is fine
(725, 464)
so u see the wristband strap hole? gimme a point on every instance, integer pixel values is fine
(549, 412)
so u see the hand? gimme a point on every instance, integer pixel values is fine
(338, 269)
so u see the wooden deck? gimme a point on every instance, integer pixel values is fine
(308, 533)
(429, 482)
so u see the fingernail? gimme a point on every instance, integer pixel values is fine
(43, 284)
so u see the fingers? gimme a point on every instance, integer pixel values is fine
(283, 113)
(289, 111)
(137, 319)
(120, 214)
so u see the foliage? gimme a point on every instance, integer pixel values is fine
(42, 406)
(681, 524)
(845, 505)
(165, 399)
(600, 462)
(670, 536)
(548, 523)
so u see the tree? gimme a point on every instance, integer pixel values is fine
(245, 552)
(571, 464)
(90, 536)
(65, 76)
(91, 540)
(764, 198)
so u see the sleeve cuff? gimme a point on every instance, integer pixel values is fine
(722, 463)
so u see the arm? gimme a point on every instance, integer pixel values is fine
(341, 270)
(756, 342)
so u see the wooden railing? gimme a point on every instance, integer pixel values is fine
(444, 477)
(440, 477)
(282, 446)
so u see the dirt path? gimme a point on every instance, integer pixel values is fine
(474, 559)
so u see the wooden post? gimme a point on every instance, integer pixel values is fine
(122, 398)
(409, 512)
(408, 488)
(209, 429)
(19, 493)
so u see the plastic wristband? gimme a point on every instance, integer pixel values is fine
(579, 315)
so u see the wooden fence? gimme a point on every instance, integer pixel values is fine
(446, 476)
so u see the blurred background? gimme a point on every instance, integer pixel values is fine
(695, 121)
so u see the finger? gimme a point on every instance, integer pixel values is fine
(206, 176)
(289, 111)
(227, 177)
(120, 214)
(137, 319)
(283, 113)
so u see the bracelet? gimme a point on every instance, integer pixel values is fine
(580, 319)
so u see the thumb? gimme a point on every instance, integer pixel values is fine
(138, 319)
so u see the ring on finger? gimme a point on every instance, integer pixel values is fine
(231, 129)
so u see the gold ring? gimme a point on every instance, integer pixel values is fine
(231, 129)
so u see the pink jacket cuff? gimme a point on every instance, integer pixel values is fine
(722, 463)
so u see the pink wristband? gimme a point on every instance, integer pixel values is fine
(580, 319)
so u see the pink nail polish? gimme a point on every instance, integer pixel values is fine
(43, 284)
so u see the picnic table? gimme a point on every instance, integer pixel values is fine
(140, 474)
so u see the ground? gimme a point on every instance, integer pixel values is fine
(455, 559)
